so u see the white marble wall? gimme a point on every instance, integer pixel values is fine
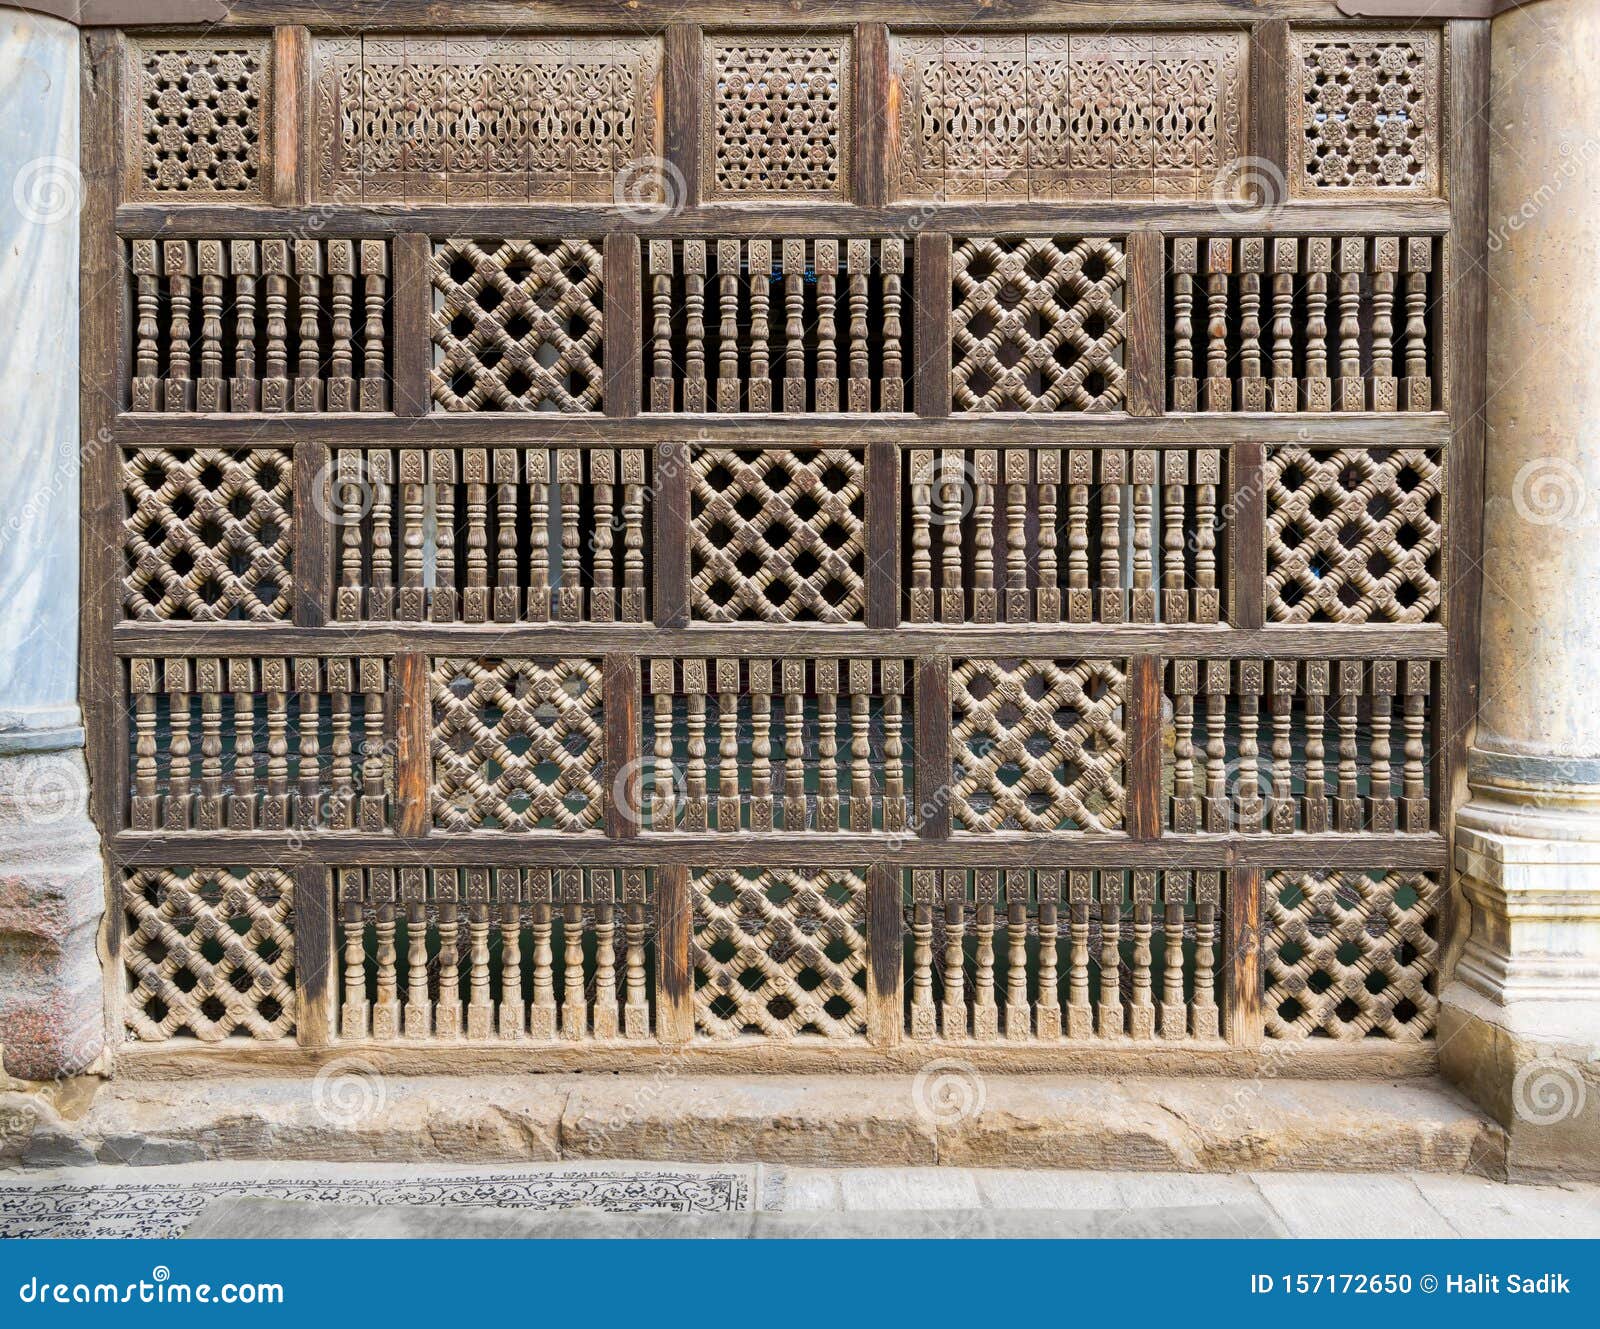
(39, 202)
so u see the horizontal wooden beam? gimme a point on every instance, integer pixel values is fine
(1172, 217)
(710, 849)
(490, 429)
(1322, 641)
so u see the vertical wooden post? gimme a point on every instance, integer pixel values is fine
(1467, 93)
(313, 531)
(1241, 958)
(873, 158)
(313, 956)
(412, 291)
(291, 113)
(1247, 536)
(885, 956)
(103, 335)
(624, 773)
(883, 534)
(623, 308)
(1146, 315)
(412, 758)
(930, 343)
(931, 723)
(684, 77)
(1270, 108)
(670, 592)
(1142, 720)
(674, 975)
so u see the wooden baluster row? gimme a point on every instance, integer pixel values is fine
(502, 496)
(1324, 323)
(1133, 925)
(761, 311)
(279, 295)
(1365, 790)
(177, 788)
(419, 994)
(822, 715)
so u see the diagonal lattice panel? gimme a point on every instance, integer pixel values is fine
(778, 535)
(779, 952)
(517, 744)
(517, 324)
(209, 953)
(1349, 955)
(207, 534)
(1353, 535)
(1037, 745)
(1037, 325)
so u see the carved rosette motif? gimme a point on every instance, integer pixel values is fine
(1053, 116)
(1368, 111)
(777, 118)
(200, 113)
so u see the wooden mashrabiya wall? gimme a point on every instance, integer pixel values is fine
(805, 540)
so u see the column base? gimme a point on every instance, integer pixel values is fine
(1519, 1024)
(52, 897)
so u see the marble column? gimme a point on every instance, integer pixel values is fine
(1520, 1028)
(52, 885)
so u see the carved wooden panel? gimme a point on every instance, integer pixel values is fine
(1283, 746)
(479, 535)
(777, 116)
(260, 325)
(199, 123)
(503, 954)
(1037, 745)
(208, 953)
(764, 745)
(779, 952)
(208, 534)
(999, 117)
(1354, 535)
(766, 325)
(282, 743)
(517, 324)
(1350, 955)
(1036, 535)
(517, 744)
(992, 949)
(1037, 325)
(1325, 323)
(500, 119)
(777, 535)
(1367, 116)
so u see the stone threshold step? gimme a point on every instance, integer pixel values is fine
(948, 1113)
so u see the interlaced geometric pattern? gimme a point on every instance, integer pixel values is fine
(1353, 535)
(1369, 111)
(201, 109)
(517, 744)
(207, 535)
(209, 953)
(1037, 745)
(1349, 954)
(517, 323)
(779, 952)
(1037, 325)
(776, 118)
(778, 535)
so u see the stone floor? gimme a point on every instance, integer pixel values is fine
(650, 1199)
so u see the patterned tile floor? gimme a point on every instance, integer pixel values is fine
(161, 1202)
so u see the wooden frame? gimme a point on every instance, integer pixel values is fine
(868, 204)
